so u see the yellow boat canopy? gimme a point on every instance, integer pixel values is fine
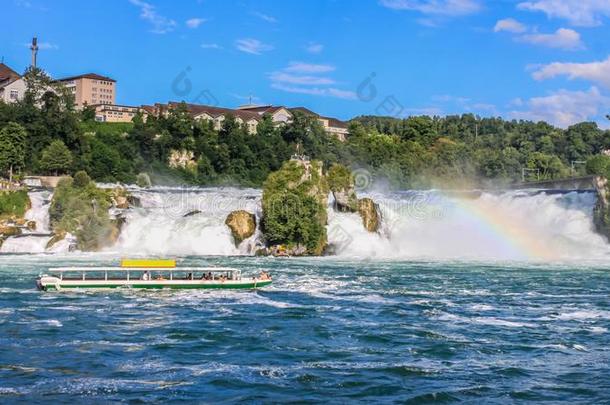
(149, 263)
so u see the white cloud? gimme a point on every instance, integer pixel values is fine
(43, 46)
(510, 25)
(300, 67)
(577, 12)
(316, 91)
(308, 78)
(252, 46)
(435, 7)
(563, 38)
(447, 98)
(283, 77)
(160, 24)
(265, 17)
(313, 47)
(564, 108)
(598, 72)
(210, 46)
(195, 22)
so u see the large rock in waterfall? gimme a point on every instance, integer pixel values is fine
(341, 183)
(242, 225)
(601, 212)
(294, 208)
(371, 218)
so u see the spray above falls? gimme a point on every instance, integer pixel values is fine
(415, 225)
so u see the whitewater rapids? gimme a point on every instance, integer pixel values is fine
(516, 225)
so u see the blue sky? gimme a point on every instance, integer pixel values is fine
(532, 59)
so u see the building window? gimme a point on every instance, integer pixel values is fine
(14, 95)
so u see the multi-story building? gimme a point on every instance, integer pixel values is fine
(250, 116)
(91, 89)
(217, 115)
(280, 114)
(116, 113)
(12, 85)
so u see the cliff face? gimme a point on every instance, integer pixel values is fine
(601, 212)
(294, 208)
(341, 184)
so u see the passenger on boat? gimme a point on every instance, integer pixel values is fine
(145, 276)
(264, 276)
(189, 276)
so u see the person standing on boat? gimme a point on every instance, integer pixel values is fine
(145, 276)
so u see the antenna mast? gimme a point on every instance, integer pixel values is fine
(34, 48)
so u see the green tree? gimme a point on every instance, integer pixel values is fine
(56, 158)
(599, 165)
(13, 139)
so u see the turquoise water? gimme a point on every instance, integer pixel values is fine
(326, 331)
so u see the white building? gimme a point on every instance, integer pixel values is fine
(12, 85)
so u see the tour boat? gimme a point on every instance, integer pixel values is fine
(148, 274)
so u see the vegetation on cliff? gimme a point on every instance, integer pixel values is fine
(80, 208)
(13, 204)
(294, 207)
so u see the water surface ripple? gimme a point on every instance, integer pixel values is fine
(326, 331)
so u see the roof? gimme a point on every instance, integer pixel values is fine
(7, 75)
(332, 122)
(198, 109)
(335, 123)
(304, 110)
(263, 109)
(114, 105)
(88, 76)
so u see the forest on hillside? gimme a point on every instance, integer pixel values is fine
(45, 134)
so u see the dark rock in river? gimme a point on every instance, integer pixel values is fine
(242, 225)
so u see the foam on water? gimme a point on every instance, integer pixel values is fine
(415, 226)
(185, 222)
(429, 225)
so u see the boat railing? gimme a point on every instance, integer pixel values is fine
(235, 274)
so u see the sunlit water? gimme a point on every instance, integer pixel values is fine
(327, 330)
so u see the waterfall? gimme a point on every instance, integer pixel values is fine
(32, 241)
(186, 221)
(516, 225)
(507, 226)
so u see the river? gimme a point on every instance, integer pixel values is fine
(456, 311)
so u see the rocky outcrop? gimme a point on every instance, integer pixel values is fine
(123, 199)
(182, 159)
(283, 251)
(81, 209)
(143, 180)
(57, 237)
(294, 208)
(9, 230)
(242, 225)
(341, 183)
(369, 211)
(601, 212)
(346, 200)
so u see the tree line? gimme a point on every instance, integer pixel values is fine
(45, 134)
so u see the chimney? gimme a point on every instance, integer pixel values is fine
(34, 49)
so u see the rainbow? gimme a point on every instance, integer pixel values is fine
(518, 241)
